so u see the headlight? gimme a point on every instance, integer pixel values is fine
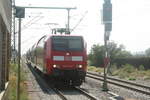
(54, 66)
(80, 66)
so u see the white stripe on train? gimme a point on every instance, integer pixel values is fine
(73, 58)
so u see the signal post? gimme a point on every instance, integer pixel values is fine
(20, 13)
(107, 21)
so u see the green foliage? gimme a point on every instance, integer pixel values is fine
(93, 68)
(131, 73)
(39, 49)
(128, 68)
(124, 71)
(97, 53)
(141, 68)
(147, 52)
(13, 84)
(135, 61)
(13, 69)
(116, 51)
(112, 68)
(145, 74)
(132, 78)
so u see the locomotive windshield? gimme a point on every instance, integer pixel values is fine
(67, 43)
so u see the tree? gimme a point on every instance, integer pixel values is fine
(147, 52)
(97, 53)
(116, 51)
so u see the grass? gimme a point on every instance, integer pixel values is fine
(95, 69)
(131, 73)
(126, 72)
(13, 86)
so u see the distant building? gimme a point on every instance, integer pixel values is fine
(5, 39)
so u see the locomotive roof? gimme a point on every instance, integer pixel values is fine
(64, 35)
(49, 36)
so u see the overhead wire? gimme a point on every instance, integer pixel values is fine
(81, 19)
(29, 23)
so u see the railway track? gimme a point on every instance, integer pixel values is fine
(122, 83)
(44, 85)
(60, 92)
(75, 93)
(86, 93)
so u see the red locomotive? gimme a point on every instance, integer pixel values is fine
(61, 56)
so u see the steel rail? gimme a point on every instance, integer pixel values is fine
(56, 90)
(60, 93)
(86, 93)
(46, 86)
(120, 80)
(121, 85)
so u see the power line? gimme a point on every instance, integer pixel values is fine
(25, 41)
(79, 21)
(30, 22)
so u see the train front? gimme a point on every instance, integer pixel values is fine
(68, 58)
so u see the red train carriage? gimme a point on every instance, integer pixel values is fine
(62, 56)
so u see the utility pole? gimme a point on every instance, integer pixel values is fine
(107, 21)
(2, 71)
(14, 25)
(19, 58)
(68, 26)
(20, 13)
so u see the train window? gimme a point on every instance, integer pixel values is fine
(63, 43)
(75, 44)
(59, 44)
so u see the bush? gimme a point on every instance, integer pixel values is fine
(124, 71)
(128, 68)
(95, 69)
(141, 68)
(132, 78)
(112, 69)
(13, 85)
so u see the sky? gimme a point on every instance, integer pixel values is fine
(130, 22)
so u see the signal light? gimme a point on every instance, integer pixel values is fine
(107, 11)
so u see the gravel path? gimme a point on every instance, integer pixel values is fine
(95, 88)
(34, 89)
